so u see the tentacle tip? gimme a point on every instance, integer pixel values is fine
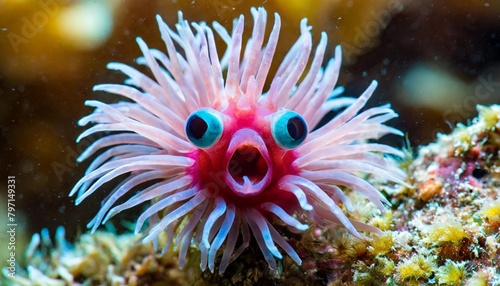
(89, 102)
(399, 133)
(105, 220)
(159, 19)
(141, 61)
(164, 250)
(98, 87)
(355, 233)
(339, 90)
(111, 65)
(324, 37)
(277, 19)
(140, 41)
(81, 122)
(407, 185)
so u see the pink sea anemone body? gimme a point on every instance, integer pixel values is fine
(224, 157)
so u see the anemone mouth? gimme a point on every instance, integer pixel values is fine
(248, 163)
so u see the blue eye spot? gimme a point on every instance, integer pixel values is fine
(289, 130)
(204, 128)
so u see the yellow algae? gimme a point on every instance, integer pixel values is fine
(451, 273)
(383, 221)
(489, 116)
(451, 232)
(386, 266)
(381, 244)
(416, 267)
(491, 211)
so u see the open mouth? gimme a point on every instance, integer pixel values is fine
(247, 161)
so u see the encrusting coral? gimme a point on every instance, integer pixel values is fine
(451, 216)
(101, 258)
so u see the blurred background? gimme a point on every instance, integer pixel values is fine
(435, 61)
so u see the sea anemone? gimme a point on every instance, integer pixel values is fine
(224, 157)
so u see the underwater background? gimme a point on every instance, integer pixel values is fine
(435, 61)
